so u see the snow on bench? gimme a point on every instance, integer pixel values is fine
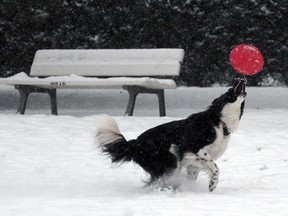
(130, 69)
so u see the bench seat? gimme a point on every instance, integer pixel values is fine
(75, 81)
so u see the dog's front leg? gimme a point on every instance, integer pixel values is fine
(214, 176)
(192, 164)
(204, 158)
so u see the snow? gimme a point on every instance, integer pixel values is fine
(107, 55)
(75, 81)
(49, 164)
(107, 62)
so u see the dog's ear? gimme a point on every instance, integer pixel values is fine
(228, 97)
(215, 101)
(219, 100)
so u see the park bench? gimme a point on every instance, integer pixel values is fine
(135, 70)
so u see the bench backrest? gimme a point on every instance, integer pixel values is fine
(108, 62)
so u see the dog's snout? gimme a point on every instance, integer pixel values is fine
(239, 85)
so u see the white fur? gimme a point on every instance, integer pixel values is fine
(231, 114)
(231, 118)
(218, 147)
(108, 130)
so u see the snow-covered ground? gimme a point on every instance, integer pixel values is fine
(49, 165)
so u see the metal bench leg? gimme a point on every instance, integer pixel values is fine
(131, 103)
(24, 93)
(135, 90)
(161, 99)
(53, 100)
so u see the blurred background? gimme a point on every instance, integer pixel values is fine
(206, 29)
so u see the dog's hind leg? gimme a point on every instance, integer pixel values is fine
(193, 172)
(175, 151)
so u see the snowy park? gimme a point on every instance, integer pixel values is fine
(88, 58)
(50, 166)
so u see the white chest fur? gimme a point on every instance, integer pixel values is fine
(230, 117)
(231, 114)
(218, 147)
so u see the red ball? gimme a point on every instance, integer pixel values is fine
(246, 59)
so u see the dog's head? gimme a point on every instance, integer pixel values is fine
(233, 99)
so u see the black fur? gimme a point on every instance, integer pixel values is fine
(151, 150)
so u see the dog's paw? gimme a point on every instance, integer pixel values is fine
(213, 182)
(212, 185)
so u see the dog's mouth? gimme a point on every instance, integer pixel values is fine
(239, 86)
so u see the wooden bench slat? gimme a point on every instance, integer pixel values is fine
(107, 69)
(108, 62)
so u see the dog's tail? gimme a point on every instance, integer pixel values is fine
(112, 142)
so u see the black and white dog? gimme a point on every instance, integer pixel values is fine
(188, 146)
